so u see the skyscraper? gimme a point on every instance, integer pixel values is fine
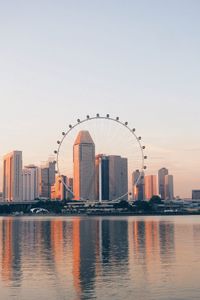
(118, 177)
(30, 178)
(138, 185)
(102, 177)
(47, 179)
(169, 187)
(161, 182)
(111, 177)
(12, 176)
(59, 189)
(150, 186)
(84, 167)
(195, 194)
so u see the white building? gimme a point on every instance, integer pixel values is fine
(84, 167)
(12, 177)
(30, 178)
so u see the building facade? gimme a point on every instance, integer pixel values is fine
(150, 186)
(169, 187)
(58, 190)
(138, 185)
(102, 177)
(30, 178)
(118, 177)
(195, 194)
(161, 182)
(46, 179)
(12, 177)
(84, 167)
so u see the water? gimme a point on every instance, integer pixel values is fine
(100, 258)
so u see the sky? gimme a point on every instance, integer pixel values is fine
(61, 60)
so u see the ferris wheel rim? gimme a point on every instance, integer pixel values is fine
(99, 117)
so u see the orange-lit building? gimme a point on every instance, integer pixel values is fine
(150, 186)
(58, 190)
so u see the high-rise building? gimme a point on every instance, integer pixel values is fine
(169, 187)
(161, 182)
(138, 185)
(150, 186)
(58, 190)
(47, 179)
(28, 185)
(195, 194)
(102, 177)
(69, 190)
(12, 177)
(84, 167)
(118, 177)
(30, 177)
(111, 177)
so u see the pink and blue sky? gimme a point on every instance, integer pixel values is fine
(60, 60)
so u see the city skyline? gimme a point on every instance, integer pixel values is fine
(96, 177)
(139, 61)
(149, 172)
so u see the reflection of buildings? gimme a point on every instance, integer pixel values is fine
(75, 253)
(12, 176)
(84, 167)
(56, 230)
(85, 237)
(115, 243)
(7, 251)
(166, 238)
(152, 244)
(10, 250)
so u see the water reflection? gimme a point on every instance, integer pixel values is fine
(75, 257)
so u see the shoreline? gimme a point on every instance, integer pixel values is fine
(125, 214)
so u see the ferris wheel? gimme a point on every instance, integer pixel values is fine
(107, 143)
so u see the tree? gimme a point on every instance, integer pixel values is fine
(155, 199)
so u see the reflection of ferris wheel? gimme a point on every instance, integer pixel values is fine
(131, 131)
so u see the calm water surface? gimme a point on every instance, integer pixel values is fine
(100, 258)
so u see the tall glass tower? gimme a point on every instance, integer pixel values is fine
(84, 167)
